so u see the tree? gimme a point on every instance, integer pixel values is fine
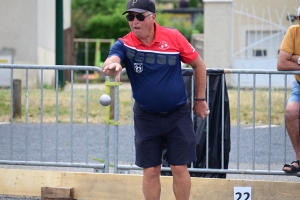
(83, 11)
(195, 3)
(92, 7)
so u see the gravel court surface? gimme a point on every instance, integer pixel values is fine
(262, 135)
(5, 197)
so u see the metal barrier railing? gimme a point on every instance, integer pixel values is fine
(16, 149)
(13, 127)
(252, 167)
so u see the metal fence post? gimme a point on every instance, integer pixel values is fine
(17, 103)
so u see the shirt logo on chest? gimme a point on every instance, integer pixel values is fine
(138, 67)
(163, 45)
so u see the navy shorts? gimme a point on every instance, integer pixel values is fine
(154, 131)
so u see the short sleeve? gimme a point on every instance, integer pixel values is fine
(187, 52)
(117, 50)
(288, 44)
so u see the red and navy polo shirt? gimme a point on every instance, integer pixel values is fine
(154, 71)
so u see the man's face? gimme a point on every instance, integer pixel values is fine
(141, 23)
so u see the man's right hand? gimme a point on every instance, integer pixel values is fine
(112, 67)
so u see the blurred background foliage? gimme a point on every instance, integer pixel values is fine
(103, 19)
(103, 14)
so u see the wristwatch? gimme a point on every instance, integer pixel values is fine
(298, 61)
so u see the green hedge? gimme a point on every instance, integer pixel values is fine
(116, 26)
(108, 26)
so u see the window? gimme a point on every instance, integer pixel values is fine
(259, 52)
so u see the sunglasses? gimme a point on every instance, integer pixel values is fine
(140, 17)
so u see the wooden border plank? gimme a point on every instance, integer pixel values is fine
(120, 186)
(27, 182)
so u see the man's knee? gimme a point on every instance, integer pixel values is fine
(179, 169)
(152, 171)
(292, 111)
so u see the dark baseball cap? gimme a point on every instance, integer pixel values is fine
(140, 6)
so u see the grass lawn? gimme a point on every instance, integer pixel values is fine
(96, 112)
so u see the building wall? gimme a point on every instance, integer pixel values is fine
(18, 21)
(46, 39)
(217, 31)
(28, 27)
(234, 30)
(18, 32)
(270, 16)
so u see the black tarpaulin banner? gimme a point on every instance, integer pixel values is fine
(215, 127)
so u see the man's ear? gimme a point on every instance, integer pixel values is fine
(154, 16)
